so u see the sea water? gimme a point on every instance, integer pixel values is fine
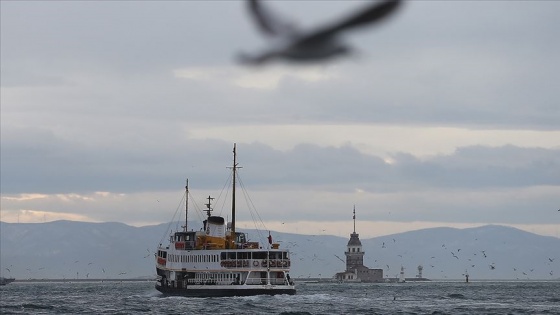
(484, 297)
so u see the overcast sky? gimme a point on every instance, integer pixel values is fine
(447, 115)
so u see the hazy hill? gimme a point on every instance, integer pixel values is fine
(488, 252)
(66, 249)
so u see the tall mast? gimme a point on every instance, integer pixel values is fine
(233, 193)
(186, 205)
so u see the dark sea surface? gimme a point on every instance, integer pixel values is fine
(485, 297)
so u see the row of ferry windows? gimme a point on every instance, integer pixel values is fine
(193, 258)
(225, 256)
(217, 276)
(254, 255)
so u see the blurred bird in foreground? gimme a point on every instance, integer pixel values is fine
(317, 45)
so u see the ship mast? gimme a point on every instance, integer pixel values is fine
(233, 193)
(186, 204)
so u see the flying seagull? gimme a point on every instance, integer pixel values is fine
(320, 44)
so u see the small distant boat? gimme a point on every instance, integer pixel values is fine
(4, 281)
(218, 260)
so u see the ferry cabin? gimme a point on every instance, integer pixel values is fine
(180, 268)
(197, 258)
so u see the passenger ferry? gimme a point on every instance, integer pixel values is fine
(218, 260)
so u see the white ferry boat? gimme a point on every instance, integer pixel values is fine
(219, 261)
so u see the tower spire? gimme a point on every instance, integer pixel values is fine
(354, 218)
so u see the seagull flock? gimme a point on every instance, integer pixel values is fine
(470, 260)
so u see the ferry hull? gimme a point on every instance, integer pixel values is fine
(205, 291)
(4, 281)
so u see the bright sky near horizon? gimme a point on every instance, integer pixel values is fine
(449, 115)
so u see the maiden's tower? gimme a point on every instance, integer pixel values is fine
(355, 269)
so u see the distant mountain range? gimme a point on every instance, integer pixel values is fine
(70, 250)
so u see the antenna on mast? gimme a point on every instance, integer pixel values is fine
(209, 206)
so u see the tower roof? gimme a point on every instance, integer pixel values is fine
(354, 237)
(354, 240)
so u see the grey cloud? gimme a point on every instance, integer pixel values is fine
(28, 165)
(132, 36)
(446, 70)
(506, 166)
(90, 103)
(431, 65)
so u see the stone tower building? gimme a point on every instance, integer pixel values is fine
(355, 269)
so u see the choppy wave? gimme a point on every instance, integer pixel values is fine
(322, 298)
(456, 296)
